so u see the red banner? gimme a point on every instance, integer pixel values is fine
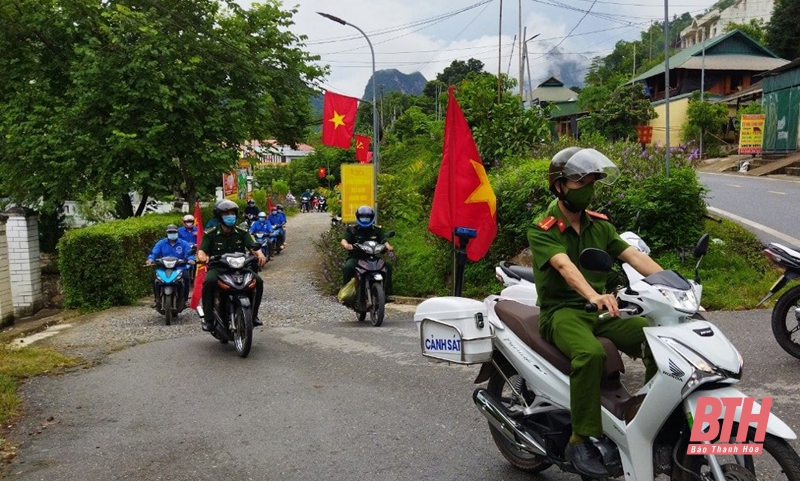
(338, 120)
(201, 269)
(363, 154)
(463, 195)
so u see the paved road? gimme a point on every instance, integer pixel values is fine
(337, 400)
(766, 206)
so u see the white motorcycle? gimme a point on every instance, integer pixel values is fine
(528, 396)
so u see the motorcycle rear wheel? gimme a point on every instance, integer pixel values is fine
(785, 323)
(242, 330)
(522, 460)
(778, 461)
(378, 309)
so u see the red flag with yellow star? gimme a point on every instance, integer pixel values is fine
(338, 120)
(463, 196)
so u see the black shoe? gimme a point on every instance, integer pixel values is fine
(586, 460)
(207, 326)
(257, 322)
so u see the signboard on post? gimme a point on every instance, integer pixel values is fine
(751, 133)
(357, 189)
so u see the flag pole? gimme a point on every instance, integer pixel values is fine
(375, 143)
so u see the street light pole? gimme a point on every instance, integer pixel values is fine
(375, 146)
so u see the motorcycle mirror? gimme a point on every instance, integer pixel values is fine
(702, 246)
(598, 260)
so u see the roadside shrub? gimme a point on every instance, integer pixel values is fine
(331, 258)
(102, 265)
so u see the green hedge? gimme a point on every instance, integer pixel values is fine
(103, 265)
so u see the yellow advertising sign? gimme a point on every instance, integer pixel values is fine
(357, 189)
(751, 133)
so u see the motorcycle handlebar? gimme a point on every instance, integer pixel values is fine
(589, 307)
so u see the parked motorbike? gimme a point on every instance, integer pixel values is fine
(786, 313)
(526, 401)
(371, 274)
(170, 272)
(233, 315)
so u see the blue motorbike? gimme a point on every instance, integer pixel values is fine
(276, 241)
(266, 241)
(170, 272)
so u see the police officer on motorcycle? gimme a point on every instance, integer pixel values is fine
(171, 246)
(224, 239)
(262, 225)
(364, 230)
(556, 239)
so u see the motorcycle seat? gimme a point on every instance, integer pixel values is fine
(523, 320)
(517, 272)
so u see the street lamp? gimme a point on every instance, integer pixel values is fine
(375, 147)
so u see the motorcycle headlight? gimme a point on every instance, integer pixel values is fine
(684, 301)
(170, 264)
(236, 262)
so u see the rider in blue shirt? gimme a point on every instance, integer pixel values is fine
(172, 246)
(278, 219)
(189, 231)
(262, 225)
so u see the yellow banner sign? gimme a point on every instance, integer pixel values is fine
(357, 189)
(751, 133)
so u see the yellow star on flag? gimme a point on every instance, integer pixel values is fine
(484, 192)
(337, 119)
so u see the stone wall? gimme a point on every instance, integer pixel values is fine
(22, 236)
(6, 305)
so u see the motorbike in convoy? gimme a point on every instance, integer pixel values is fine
(305, 203)
(371, 274)
(236, 287)
(170, 272)
(786, 313)
(322, 204)
(266, 241)
(526, 401)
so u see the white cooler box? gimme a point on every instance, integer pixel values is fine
(454, 329)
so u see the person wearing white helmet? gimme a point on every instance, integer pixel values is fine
(188, 231)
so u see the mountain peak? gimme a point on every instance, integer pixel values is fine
(393, 80)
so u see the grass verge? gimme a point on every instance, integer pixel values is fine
(17, 365)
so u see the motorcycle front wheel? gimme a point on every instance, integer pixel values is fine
(166, 304)
(378, 308)
(522, 460)
(785, 322)
(778, 461)
(242, 330)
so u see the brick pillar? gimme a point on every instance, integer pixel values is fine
(6, 306)
(22, 235)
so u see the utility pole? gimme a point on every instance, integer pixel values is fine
(521, 71)
(511, 57)
(634, 61)
(703, 86)
(499, 52)
(666, 78)
(528, 61)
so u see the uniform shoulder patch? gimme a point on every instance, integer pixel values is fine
(211, 230)
(596, 215)
(547, 223)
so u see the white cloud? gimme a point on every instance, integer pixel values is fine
(429, 48)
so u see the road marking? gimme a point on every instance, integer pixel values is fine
(776, 192)
(734, 185)
(780, 235)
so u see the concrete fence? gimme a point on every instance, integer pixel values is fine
(20, 267)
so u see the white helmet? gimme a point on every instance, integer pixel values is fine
(188, 218)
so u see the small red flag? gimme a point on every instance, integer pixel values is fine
(269, 204)
(200, 274)
(362, 149)
(338, 120)
(463, 195)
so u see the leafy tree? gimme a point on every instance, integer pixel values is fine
(453, 74)
(783, 29)
(109, 97)
(617, 118)
(703, 118)
(755, 28)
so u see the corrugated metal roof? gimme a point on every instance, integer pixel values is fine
(680, 58)
(553, 94)
(565, 109)
(751, 63)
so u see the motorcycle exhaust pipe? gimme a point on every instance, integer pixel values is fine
(509, 428)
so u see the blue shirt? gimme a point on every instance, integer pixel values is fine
(163, 248)
(259, 226)
(189, 236)
(276, 219)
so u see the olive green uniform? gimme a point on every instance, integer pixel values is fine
(359, 235)
(563, 320)
(216, 242)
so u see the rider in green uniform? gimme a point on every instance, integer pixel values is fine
(224, 239)
(364, 230)
(563, 288)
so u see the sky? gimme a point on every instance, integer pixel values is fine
(426, 36)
